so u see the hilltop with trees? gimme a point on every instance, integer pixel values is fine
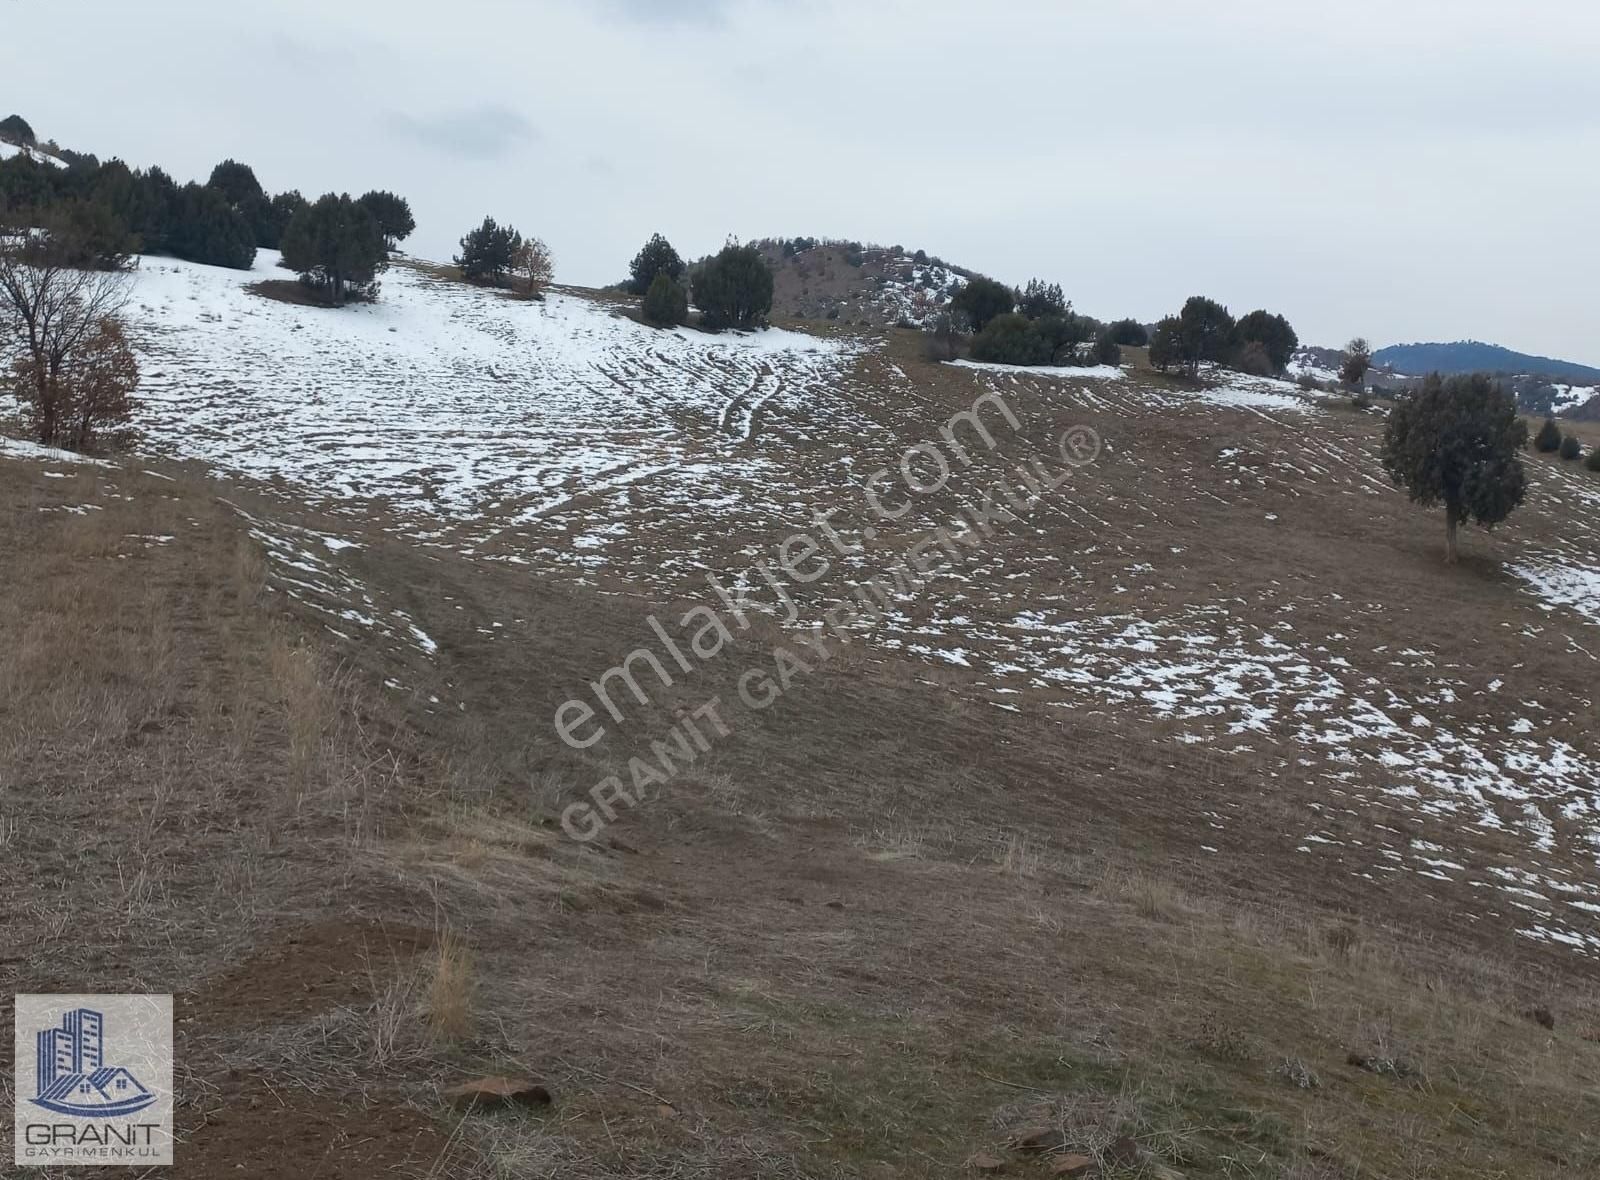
(127, 211)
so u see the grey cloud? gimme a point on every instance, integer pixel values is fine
(485, 132)
(669, 12)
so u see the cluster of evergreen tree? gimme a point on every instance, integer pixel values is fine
(488, 252)
(733, 288)
(1032, 326)
(338, 247)
(1204, 332)
(126, 211)
(656, 274)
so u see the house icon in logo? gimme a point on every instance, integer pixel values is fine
(73, 1078)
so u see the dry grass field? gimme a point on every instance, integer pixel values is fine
(1199, 822)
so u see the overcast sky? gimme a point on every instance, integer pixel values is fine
(1403, 169)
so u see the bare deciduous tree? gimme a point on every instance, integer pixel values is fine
(60, 327)
(532, 263)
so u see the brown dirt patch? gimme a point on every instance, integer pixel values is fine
(310, 970)
(256, 1132)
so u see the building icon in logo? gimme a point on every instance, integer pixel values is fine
(73, 1078)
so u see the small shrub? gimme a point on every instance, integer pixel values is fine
(1593, 461)
(1548, 440)
(1106, 349)
(666, 303)
(1308, 383)
(1571, 448)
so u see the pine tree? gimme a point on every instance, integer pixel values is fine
(1455, 443)
(206, 228)
(1357, 360)
(657, 257)
(393, 214)
(487, 253)
(1129, 333)
(1039, 299)
(1205, 332)
(1571, 448)
(336, 246)
(280, 212)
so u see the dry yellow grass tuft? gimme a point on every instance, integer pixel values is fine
(450, 991)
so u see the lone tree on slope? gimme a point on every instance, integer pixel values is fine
(533, 263)
(60, 330)
(1455, 443)
(1548, 440)
(1357, 360)
(734, 289)
(488, 252)
(1204, 332)
(656, 258)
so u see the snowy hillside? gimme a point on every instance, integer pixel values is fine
(9, 150)
(441, 399)
(855, 284)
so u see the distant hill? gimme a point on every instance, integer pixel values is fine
(1472, 356)
(853, 283)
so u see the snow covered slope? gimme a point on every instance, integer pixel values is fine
(442, 400)
(8, 150)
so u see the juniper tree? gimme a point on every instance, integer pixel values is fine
(1273, 333)
(983, 299)
(734, 288)
(1548, 440)
(666, 303)
(1455, 442)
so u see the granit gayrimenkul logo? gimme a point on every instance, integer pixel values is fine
(93, 1081)
(72, 1077)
